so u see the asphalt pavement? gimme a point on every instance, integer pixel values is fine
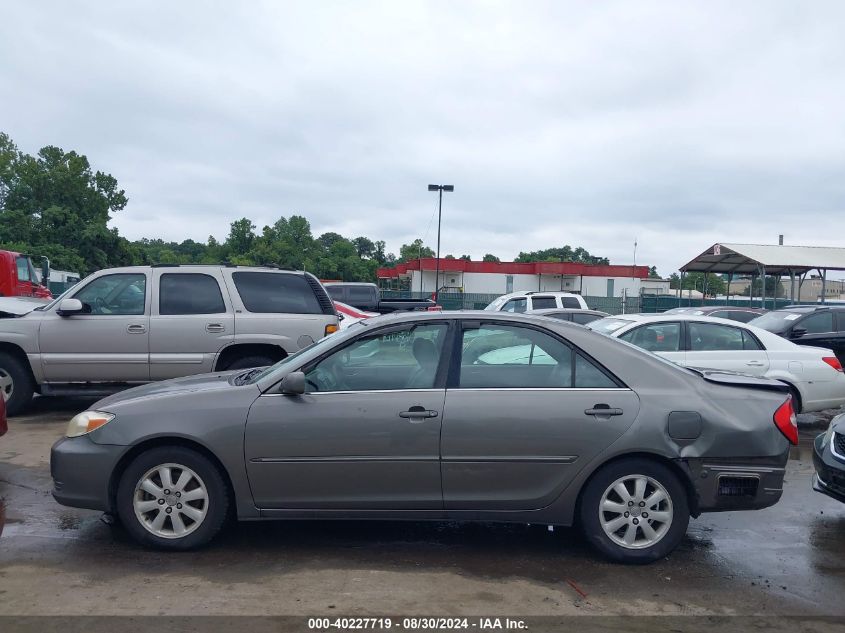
(785, 560)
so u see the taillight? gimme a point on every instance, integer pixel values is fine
(833, 362)
(786, 421)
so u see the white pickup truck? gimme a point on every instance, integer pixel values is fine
(125, 326)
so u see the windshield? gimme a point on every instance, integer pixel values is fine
(776, 321)
(608, 325)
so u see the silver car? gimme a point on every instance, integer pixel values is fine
(462, 416)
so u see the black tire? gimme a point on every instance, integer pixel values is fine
(591, 519)
(217, 498)
(20, 384)
(248, 362)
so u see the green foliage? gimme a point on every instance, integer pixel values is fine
(562, 254)
(414, 250)
(709, 283)
(652, 273)
(490, 258)
(774, 287)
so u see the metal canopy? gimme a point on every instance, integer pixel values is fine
(750, 259)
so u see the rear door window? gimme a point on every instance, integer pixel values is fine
(335, 292)
(276, 293)
(360, 294)
(569, 302)
(710, 337)
(189, 293)
(541, 303)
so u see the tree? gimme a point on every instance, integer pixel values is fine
(490, 258)
(774, 287)
(709, 284)
(241, 236)
(562, 254)
(414, 250)
(652, 273)
(466, 258)
(365, 247)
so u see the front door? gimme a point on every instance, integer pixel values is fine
(110, 343)
(191, 322)
(526, 414)
(716, 346)
(366, 434)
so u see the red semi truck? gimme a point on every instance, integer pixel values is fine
(18, 278)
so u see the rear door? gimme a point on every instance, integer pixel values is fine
(524, 413)
(717, 346)
(820, 330)
(191, 322)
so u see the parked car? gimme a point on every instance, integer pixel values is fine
(581, 317)
(138, 324)
(531, 301)
(367, 297)
(814, 375)
(829, 460)
(18, 277)
(600, 433)
(816, 325)
(4, 425)
(349, 315)
(732, 313)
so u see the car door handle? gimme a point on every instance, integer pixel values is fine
(215, 327)
(418, 414)
(755, 363)
(136, 329)
(603, 410)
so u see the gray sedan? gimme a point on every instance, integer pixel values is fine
(432, 416)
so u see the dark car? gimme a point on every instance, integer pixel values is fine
(366, 296)
(581, 317)
(813, 325)
(829, 459)
(472, 416)
(732, 313)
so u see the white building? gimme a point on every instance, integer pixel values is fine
(458, 275)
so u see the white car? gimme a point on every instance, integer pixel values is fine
(814, 374)
(349, 315)
(530, 301)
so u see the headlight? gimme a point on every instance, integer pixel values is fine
(86, 422)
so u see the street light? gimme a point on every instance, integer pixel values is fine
(440, 189)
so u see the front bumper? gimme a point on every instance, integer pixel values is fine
(750, 483)
(830, 472)
(81, 472)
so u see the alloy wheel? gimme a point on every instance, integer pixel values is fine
(7, 385)
(635, 511)
(170, 501)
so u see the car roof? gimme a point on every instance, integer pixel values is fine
(567, 310)
(185, 267)
(478, 315)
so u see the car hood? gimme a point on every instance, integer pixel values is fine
(202, 382)
(19, 306)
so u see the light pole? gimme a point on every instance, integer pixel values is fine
(440, 189)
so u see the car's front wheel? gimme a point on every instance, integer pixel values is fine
(634, 511)
(172, 498)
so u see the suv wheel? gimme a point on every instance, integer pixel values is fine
(634, 511)
(248, 362)
(172, 498)
(16, 383)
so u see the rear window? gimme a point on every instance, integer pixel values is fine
(569, 302)
(335, 292)
(541, 303)
(189, 293)
(276, 293)
(360, 293)
(585, 317)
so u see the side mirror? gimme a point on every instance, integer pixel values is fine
(797, 332)
(293, 384)
(45, 271)
(71, 306)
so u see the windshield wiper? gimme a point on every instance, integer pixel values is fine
(243, 378)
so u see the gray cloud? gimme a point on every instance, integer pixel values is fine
(680, 124)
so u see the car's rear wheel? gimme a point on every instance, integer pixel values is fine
(248, 362)
(172, 498)
(16, 384)
(634, 511)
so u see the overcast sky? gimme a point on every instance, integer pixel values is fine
(585, 123)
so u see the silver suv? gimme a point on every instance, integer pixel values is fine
(124, 326)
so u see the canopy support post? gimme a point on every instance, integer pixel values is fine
(824, 283)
